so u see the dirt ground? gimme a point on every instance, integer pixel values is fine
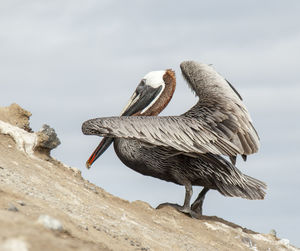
(85, 217)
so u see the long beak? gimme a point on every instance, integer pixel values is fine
(101, 148)
(139, 101)
(128, 108)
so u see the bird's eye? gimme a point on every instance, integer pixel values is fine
(141, 86)
(142, 83)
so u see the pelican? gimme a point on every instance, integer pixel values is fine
(189, 149)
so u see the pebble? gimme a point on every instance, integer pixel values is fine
(12, 208)
(13, 244)
(284, 241)
(247, 241)
(273, 232)
(21, 203)
(50, 223)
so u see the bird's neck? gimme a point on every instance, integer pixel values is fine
(165, 97)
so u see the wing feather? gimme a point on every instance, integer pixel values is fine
(219, 123)
(182, 134)
(220, 108)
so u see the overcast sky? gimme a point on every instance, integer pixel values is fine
(69, 61)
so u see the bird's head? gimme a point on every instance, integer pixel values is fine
(151, 96)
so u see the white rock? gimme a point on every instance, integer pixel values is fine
(13, 244)
(284, 241)
(49, 222)
(25, 141)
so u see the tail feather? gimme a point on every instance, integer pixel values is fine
(230, 181)
(248, 188)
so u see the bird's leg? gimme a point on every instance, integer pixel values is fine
(186, 205)
(186, 208)
(196, 207)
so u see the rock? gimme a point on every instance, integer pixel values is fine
(284, 242)
(21, 203)
(50, 223)
(13, 244)
(17, 116)
(273, 232)
(248, 242)
(14, 121)
(47, 138)
(13, 208)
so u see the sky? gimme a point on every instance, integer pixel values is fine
(69, 61)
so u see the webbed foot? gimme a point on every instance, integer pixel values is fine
(182, 209)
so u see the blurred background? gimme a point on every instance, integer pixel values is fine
(69, 61)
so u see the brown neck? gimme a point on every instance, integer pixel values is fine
(165, 97)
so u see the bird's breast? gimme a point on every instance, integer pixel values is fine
(145, 159)
(130, 152)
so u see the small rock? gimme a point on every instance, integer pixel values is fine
(92, 188)
(248, 242)
(76, 171)
(284, 241)
(50, 223)
(13, 244)
(47, 138)
(21, 203)
(97, 228)
(273, 232)
(13, 208)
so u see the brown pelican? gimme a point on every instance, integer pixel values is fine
(184, 149)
